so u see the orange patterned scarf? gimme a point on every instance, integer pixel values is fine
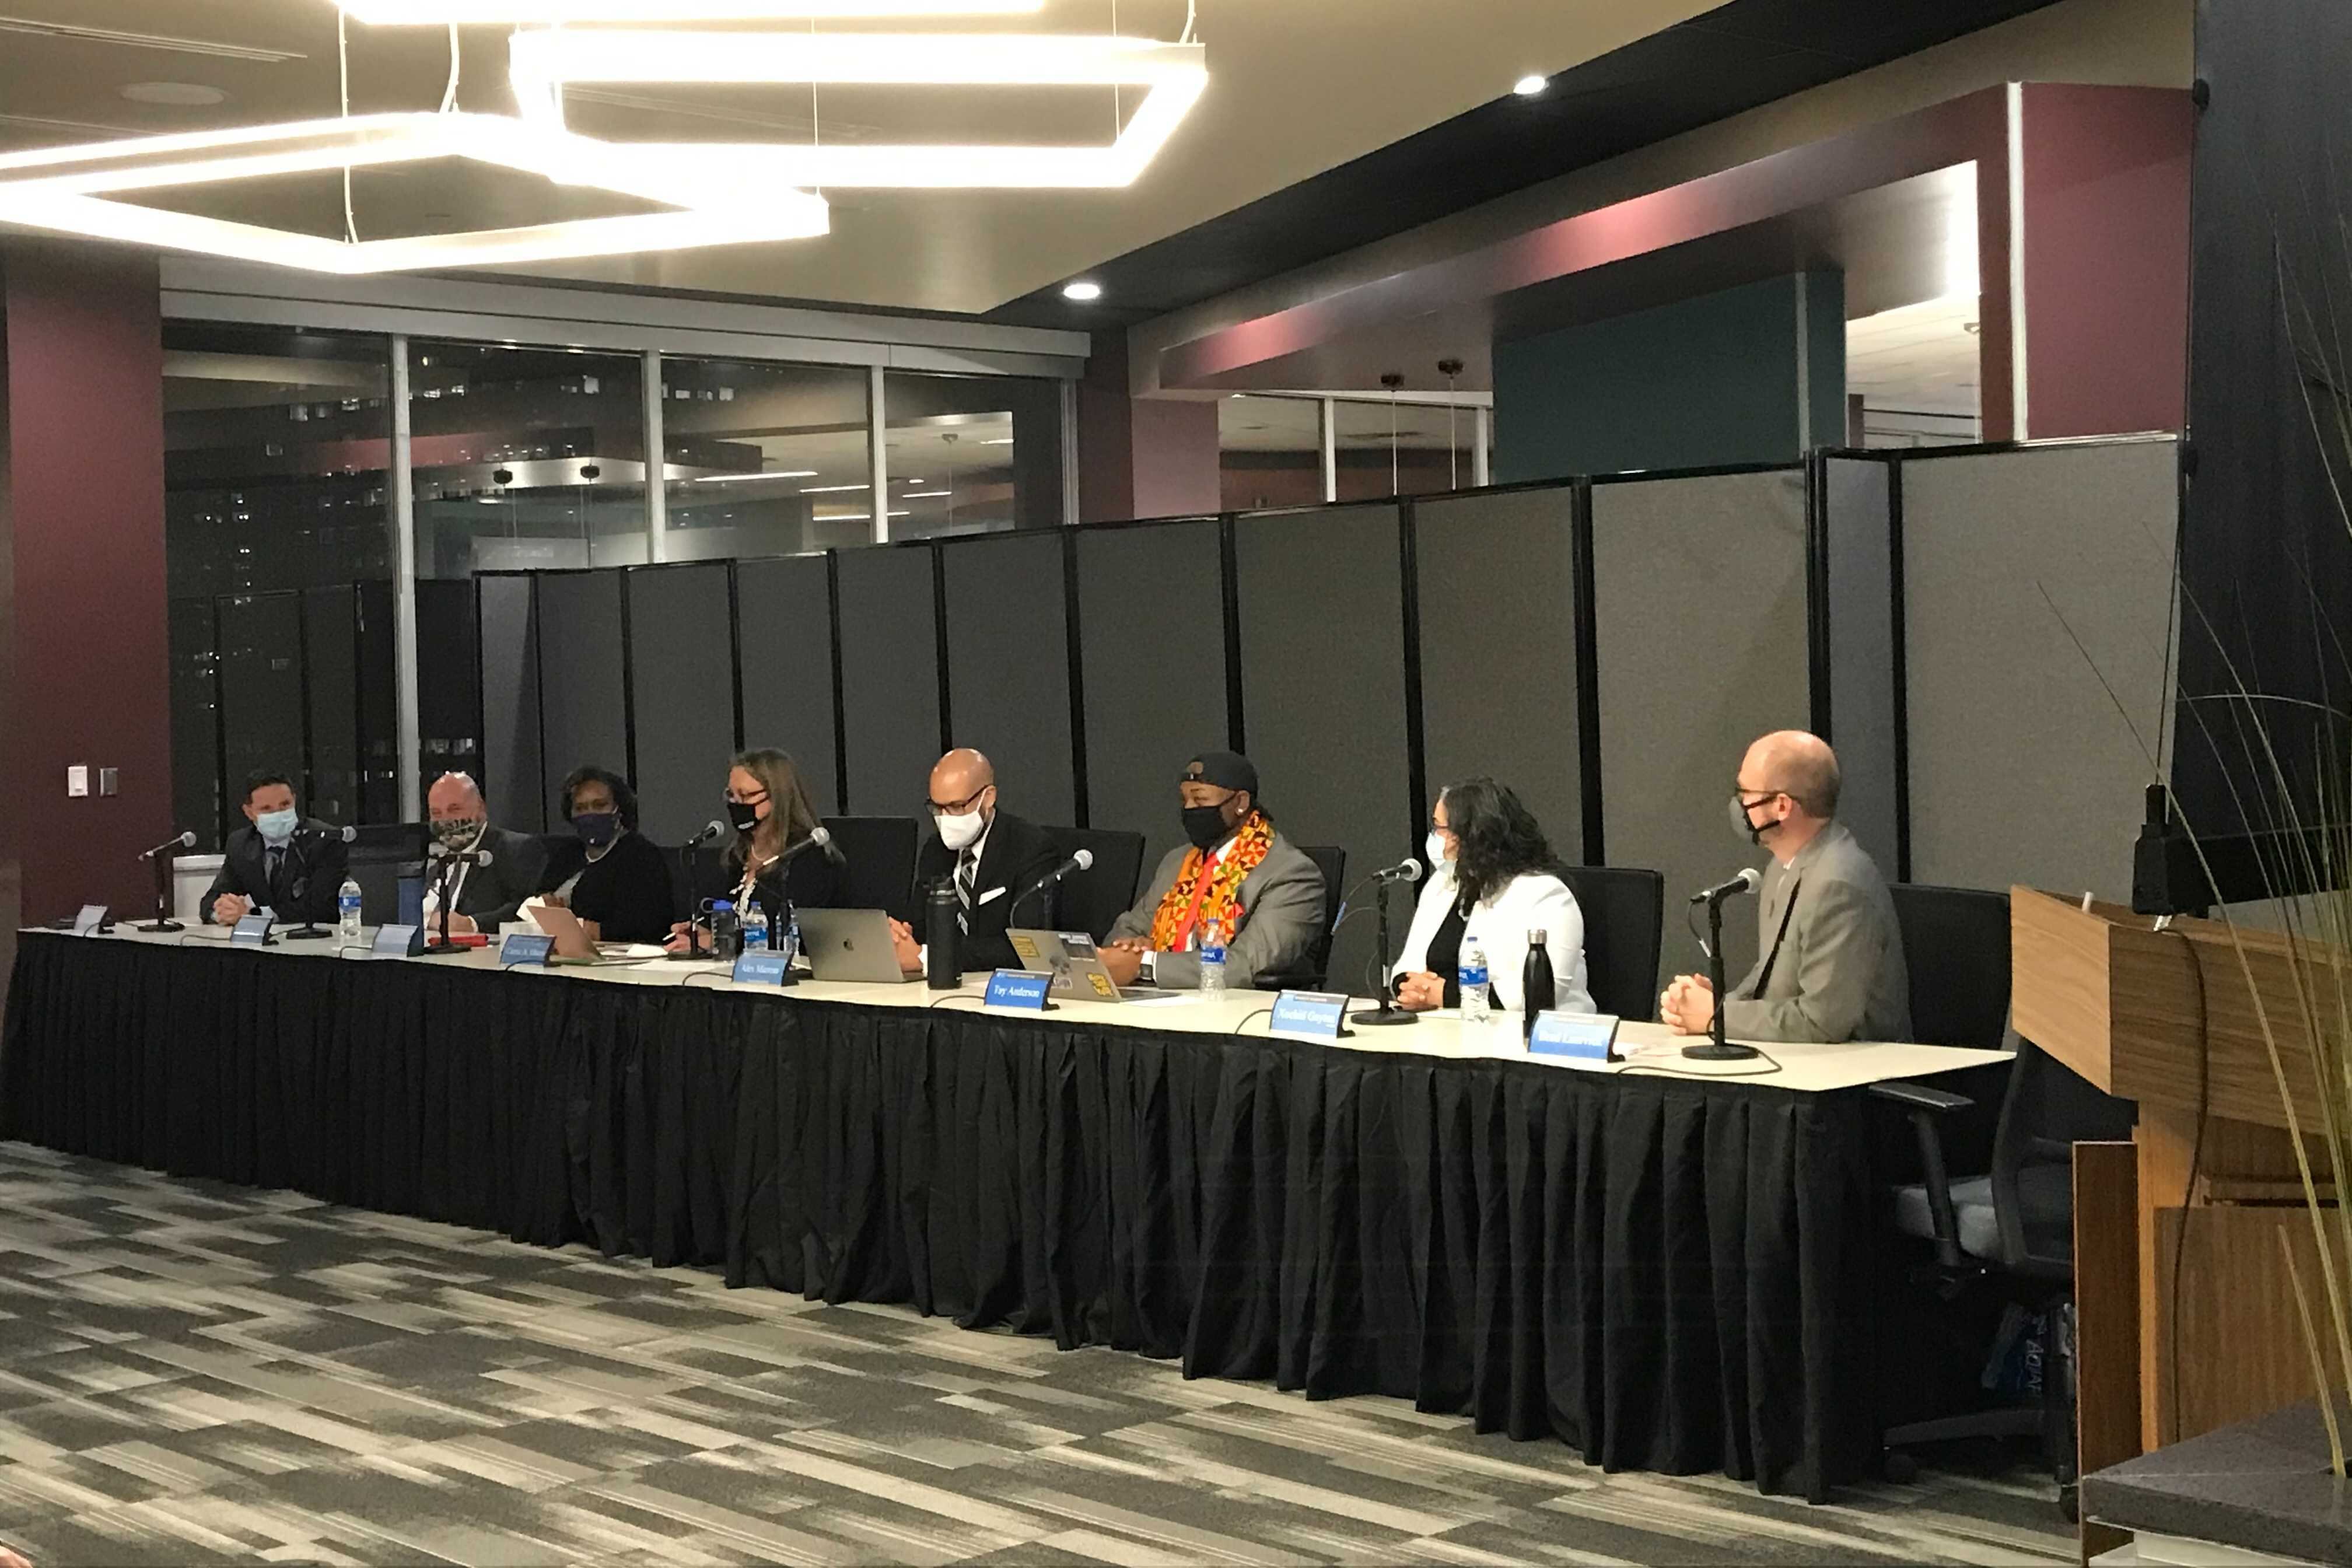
(1186, 904)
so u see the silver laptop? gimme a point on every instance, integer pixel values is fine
(1071, 958)
(851, 944)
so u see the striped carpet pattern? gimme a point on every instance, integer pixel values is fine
(191, 1373)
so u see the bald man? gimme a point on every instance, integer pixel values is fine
(1830, 965)
(988, 855)
(488, 896)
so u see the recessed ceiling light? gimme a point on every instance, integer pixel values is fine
(179, 94)
(1081, 291)
(1530, 86)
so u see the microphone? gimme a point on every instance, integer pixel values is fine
(819, 838)
(183, 841)
(712, 831)
(1081, 860)
(324, 834)
(440, 851)
(1405, 871)
(1748, 881)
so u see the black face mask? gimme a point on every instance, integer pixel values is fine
(597, 828)
(745, 817)
(1205, 826)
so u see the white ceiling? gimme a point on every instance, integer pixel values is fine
(1916, 359)
(1296, 87)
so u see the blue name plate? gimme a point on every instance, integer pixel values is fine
(398, 941)
(92, 916)
(1585, 1036)
(1316, 1014)
(518, 950)
(762, 969)
(253, 930)
(1015, 988)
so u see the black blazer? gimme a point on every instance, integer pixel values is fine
(811, 882)
(310, 875)
(628, 892)
(1017, 853)
(493, 894)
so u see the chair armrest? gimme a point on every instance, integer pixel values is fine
(1919, 1097)
(1923, 1106)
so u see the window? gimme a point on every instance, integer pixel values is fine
(1270, 452)
(967, 454)
(1404, 448)
(765, 459)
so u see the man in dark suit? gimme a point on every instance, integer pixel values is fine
(281, 863)
(488, 896)
(988, 855)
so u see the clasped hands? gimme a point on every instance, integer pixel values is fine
(1688, 1005)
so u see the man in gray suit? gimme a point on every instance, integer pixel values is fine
(488, 896)
(1238, 870)
(1831, 955)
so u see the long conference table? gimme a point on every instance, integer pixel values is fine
(1669, 1265)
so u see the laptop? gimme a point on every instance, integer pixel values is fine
(851, 946)
(1071, 958)
(572, 941)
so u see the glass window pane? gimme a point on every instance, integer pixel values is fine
(1270, 452)
(526, 458)
(970, 453)
(1403, 448)
(765, 459)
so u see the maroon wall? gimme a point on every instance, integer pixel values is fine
(84, 648)
(1140, 457)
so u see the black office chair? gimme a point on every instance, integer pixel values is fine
(1093, 898)
(2009, 1231)
(881, 851)
(1624, 914)
(1956, 952)
(378, 858)
(1332, 861)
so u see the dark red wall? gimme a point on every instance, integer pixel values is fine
(85, 676)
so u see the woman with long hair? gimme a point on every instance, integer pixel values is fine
(1492, 877)
(768, 807)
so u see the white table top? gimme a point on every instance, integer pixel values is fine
(1652, 1048)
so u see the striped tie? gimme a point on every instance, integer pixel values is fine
(967, 870)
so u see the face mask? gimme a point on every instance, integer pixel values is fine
(455, 832)
(1205, 826)
(1744, 826)
(597, 828)
(744, 816)
(276, 827)
(1434, 847)
(962, 830)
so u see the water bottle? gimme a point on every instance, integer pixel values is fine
(347, 911)
(755, 928)
(1473, 976)
(1537, 983)
(1212, 958)
(943, 937)
(726, 932)
(792, 937)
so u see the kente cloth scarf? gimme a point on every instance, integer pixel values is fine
(1187, 902)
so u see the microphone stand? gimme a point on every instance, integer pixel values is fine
(310, 930)
(1716, 1049)
(695, 951)
(1388, 1012)
(164, 921)
(442, 898)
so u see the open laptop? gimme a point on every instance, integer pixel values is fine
(852, 945)
(572, 941)
(1071, 958)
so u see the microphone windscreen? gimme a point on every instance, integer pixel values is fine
(1085, 859)
(1751, 877)
(188, 839)
(1411, 870)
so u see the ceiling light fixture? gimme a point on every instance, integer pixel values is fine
(832, 489)
(1083, 291)
(1531, 86)
(544, 63)
(746, 478)
(65, 190)
(556, 13)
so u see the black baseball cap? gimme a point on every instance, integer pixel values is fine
(1226, 769)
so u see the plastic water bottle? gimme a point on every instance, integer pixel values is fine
(1473, 976)
(755, 927)
(347, 911)
(1213, 958)
(726, 932)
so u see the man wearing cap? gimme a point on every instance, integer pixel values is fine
(1266, 895)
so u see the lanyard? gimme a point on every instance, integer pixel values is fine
(1764, 975)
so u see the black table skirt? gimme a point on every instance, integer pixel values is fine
(1665, 1274)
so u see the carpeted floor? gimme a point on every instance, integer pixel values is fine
(191, 1373)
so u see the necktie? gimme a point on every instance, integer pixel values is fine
(967, 872)
(277, 864)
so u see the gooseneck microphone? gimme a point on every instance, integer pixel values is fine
(1079, 860)
(161, 857)
(1387, 1013)
(170, 845)
(712, 832)
(1748, 881)
(1405, 871)
(1717, 1048)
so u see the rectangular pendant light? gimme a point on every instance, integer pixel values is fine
(559, 13)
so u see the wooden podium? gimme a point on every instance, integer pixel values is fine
(2190, 1325)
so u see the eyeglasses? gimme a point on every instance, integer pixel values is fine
(1763, 796)
(956, 808)
(735, 799)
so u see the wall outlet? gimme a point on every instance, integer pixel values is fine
(78, 780)
(109, 780)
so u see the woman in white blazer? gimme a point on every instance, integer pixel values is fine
(1492, 877)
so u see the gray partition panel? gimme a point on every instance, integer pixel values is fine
(682, 687)
(512, 772)
(1323, 689)
(785, 612)
(584, 709)
(2022, 768)
(1499, 651)
(1009, 667)
(1862, 648)
(889, 677)
(1151, 632)
(1699, 590)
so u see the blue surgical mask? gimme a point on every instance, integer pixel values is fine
(276, 827)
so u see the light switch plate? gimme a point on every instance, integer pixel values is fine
(77, 780)
(109, 780)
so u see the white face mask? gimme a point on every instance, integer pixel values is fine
(960, 832)
(1435, 846)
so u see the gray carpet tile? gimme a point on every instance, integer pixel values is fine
(191, 1373)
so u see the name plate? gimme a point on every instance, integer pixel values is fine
(92, 916)
(398, 941)
(520, 950)
(764, 969)
(1584, 1036)
(1316, 1014)
(253, 930)
(1017, 988)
